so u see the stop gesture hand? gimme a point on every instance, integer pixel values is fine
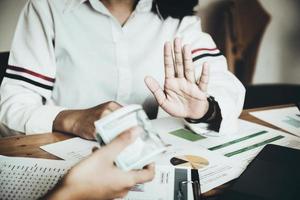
(181, 96)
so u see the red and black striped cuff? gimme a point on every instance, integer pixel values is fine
(205, 52)
(31, 77)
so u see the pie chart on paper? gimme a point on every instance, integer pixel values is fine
(194, 162)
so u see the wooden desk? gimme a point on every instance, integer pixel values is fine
(28, 146)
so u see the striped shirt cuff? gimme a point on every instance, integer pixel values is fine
(29, 76)
(201, 53)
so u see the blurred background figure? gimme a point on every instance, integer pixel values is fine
(259, 39)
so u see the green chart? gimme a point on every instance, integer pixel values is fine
(237, 140)
(187, 135)
(247, 148)
(254, 146)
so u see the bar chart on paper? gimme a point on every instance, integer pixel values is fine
(285, 118)
(243, 145)
(248, 142)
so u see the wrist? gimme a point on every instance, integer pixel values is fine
(64, 121)
(211, 109)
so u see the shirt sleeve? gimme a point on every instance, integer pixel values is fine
(227, 90)
(26, 90)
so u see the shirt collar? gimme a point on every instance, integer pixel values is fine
(142, 6)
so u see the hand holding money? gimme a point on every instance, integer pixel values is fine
(133, 118)
(81, 122)
(98, 178)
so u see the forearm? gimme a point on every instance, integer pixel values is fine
(65, 121)
(230, 97)
(23, 110)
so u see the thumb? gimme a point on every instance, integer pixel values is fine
(121, 142)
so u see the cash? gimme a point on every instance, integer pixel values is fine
(144, 149)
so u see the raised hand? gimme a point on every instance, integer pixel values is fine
(182, 96)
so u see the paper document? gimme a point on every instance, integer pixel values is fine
(32, 178)
(74, 149)
(249, 141)
(170, 183)
(213, 168)
(29, 178)
(162, 186)
(285, 118)
(242, 146)
(217, 159)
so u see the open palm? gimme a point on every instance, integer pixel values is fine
(182, 96)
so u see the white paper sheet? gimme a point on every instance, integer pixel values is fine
(161, 188)
(29, 178)
(166, 185)
(213, 168)
(218, 171)
(243, 146)
(234, 151)
(285, 118)
(74, 149)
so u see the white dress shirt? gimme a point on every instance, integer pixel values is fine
(73, 54)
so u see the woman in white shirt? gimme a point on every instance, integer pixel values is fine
(74, 61)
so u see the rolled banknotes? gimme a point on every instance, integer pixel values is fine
(144, 149)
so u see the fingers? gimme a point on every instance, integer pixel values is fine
(204, 78)
(144, 175)
(121, 142)
(183, 61)
(188, 64)
(168, 61)
(178, 58)
(156, 90)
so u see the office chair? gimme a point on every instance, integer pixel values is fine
(237, 27)
(3, 64)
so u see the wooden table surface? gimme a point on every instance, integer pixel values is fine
(28, 145)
